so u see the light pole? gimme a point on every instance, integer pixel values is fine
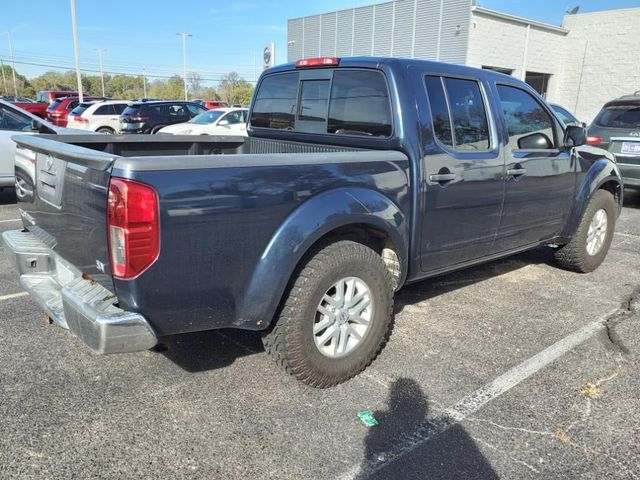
(74, 27)
(184, 36)
(4, 78)
(100, 53)
(144, 82)
(13, 66)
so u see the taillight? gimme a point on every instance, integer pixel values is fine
(79, 119)
(138, 118)
(318, 62)
(133, 227)
(594, 140)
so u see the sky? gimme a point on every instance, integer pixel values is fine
(228, 35)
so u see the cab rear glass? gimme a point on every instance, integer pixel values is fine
(350, 102)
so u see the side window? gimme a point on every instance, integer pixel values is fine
(234, 118)
(530, 126)
(439, 110)
(103, 110)
(275, 102)
(11, 120)
(458, 112)
(359, 104)
(118, 108)
(314, 96)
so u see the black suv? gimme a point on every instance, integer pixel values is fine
(149, 117)
(617, 129)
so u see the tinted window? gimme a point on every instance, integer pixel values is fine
(195, 109)
(234, 118)
(11, 120)
(118, 108)
(620, 116)
(131, 110)
(470, 126)
(439, 110)
(524, 116)
(104, 110)
(275, 102)
(313, 100)
(79, 110)
(566, 117)
(72, 104)
(359, 104)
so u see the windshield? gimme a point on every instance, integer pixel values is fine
(619, 116)
(566, 117)
(207, 117)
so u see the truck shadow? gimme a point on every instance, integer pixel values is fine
(409, 443)
(632, 198)
(7, 196)
(210, 350)
(440, 285)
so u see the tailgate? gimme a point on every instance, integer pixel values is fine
(62, 197)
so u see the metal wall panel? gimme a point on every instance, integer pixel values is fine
(345, 33)
(328, 35)
(382, 28)
(427, 26)
(294, 39)
(403, 28)
(454, 38)
(363, 30)
(311, 36)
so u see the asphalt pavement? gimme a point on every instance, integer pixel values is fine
(514, 369)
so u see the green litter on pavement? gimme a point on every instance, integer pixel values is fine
(367, 418)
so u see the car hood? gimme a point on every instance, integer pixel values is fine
(177, 128)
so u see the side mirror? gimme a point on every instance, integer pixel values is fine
(535, 141)
(574, 136)
(222, 123)
(35, 126)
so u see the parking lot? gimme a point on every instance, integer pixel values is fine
(514, 369)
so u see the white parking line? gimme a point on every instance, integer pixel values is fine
(12, 220)
(13, 295)
(476, 400)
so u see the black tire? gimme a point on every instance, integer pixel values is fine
(155, 129)
(106, 130)
(290, 341)
(574, 255)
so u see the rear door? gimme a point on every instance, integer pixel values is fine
(463, 167)
(540, 177)
(11, 123)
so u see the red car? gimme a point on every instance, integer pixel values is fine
(59, 109)
(44, 98)
(211, 104)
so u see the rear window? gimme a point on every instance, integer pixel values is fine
(79, 110)
(275, 104)
(131, 110)
(353, 102)
(53, 105)
(619, 116)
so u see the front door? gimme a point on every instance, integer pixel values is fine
(463, 172)
(540, 176)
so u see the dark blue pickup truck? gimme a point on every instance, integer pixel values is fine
(359, 175)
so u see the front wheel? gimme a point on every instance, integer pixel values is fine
(590, 243)
(335, 317)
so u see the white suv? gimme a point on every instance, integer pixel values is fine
(101, 117)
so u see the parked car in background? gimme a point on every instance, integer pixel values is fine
(565, 115)
(221, 121)
(211, 104)
(359, 176)
(16, 120)
(48, 96)
(616, 128)
(150, 117)
(98, 116)
(59, 109)
(18, 99)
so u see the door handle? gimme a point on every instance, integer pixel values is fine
(516, 172)
(442, 177)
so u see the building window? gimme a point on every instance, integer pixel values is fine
(538, 81)
(506, 71)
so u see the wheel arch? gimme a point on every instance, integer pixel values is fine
(361, 214)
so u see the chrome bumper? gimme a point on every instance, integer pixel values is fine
(83, 306)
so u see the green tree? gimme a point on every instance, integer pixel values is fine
(24, 86)
(233, 89)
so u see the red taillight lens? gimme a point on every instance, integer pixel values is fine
(318, 62)
(138, 118)
(133, 227)
(79, 119)
(594, 140)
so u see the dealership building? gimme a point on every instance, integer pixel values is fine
(590, 59)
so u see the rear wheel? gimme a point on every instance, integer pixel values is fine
(335, 317)
(106, 130)
(156, 129)
(590, 243)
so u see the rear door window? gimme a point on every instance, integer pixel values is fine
(457, 107)
(619, 116)
(314, 95)
(275, 103)
(104, 110)
(359, 104)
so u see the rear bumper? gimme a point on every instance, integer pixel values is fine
(81, 305)
(630, 174)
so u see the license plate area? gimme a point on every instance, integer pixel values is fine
(630, 148)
